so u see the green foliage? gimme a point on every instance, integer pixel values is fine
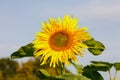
(11, 70)
(44, 72)
(8, 67)
(24, 51)
(44, 75)
(101, 66)
(117, 66)
(89, 72)
(95, 47)
(30, 70)
(67, 76)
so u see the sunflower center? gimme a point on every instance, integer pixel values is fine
(60, 39)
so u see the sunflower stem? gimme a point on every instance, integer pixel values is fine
(115, 75)
(110, 75)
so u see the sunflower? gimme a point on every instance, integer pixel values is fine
(60, 40)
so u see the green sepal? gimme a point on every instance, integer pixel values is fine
(95, 47)
(24, 51)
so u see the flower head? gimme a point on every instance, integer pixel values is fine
(60, 40)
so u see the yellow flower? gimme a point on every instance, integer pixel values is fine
(60, 41)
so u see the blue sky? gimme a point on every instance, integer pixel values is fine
(21, 19)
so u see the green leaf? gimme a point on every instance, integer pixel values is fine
(101, 66)
(91, 73)
(24, 51)
(44, 75)
(69, 76)
(117, 66)
(95, 47)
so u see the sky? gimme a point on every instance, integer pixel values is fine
(21, 19)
